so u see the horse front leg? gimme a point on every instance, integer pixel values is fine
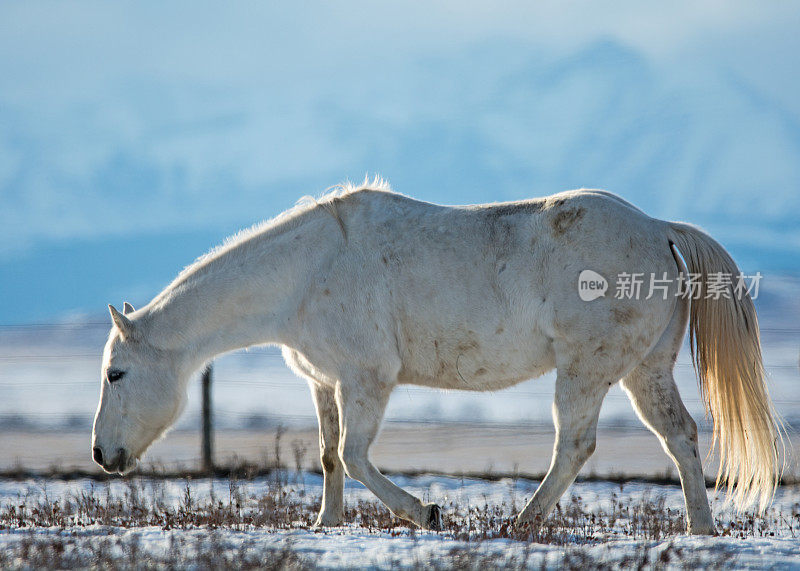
(575, 411)
(362, 401)
(331, 512)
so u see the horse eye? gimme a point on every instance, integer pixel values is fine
(114, 375)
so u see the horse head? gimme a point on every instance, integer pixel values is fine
(143, 391)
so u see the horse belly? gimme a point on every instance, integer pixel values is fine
(474, 362)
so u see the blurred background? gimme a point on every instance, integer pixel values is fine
(135, 136)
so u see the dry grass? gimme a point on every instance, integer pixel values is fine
(204, 552)
(146, 502)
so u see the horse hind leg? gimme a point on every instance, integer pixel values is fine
(654, 395)
(576, 408)
(656, 400)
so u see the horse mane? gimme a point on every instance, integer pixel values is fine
(329, 201)
(334, 195)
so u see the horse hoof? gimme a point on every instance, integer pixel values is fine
(435, 518)
(325, 521)
(701, 530)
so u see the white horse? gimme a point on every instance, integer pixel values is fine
(366, 289)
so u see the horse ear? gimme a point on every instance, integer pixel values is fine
(123, 323)
(127, 308)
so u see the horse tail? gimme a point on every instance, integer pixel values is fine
(726, 351)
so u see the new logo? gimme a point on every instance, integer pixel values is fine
(591, 285)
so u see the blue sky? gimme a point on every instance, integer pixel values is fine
(134, 136)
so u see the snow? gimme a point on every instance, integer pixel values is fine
(357, 549)
(352, 546)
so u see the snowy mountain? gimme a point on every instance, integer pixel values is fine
(110, 186)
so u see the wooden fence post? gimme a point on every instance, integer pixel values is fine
(207, 445)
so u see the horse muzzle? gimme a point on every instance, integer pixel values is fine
(121, 462)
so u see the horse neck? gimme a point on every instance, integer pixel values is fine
(246, 295)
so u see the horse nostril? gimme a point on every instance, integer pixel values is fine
(123, 459)
(97, 455)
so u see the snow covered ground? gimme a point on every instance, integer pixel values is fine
(598, 524)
